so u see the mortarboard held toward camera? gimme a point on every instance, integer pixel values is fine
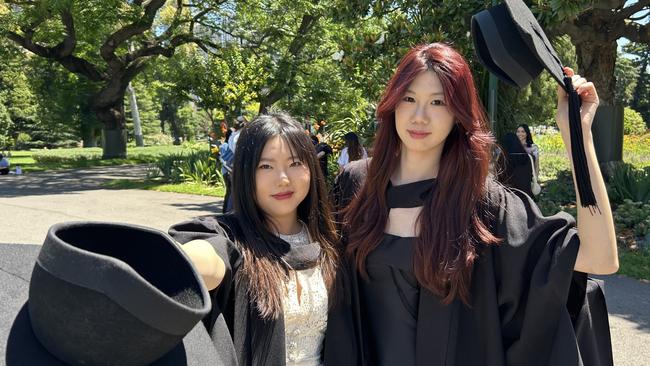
(512, 45)
(102, 294)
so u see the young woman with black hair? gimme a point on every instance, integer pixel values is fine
(526, 139)
(447, 266)
(352, 151)
(271, 264)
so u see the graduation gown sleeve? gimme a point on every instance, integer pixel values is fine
(533, 276)
(210, 229)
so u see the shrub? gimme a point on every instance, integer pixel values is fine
(550, 143)
(633, 123)
(21, 140)
(629, 183)
(158, 139)
(198, 167)
(633, 215)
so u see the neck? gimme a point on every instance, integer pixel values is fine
(285, 225)
(416, 166)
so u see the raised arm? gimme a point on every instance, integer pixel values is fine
(598, 252)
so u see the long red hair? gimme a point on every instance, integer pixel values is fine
(452, 221)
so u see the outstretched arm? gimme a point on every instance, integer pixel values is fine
(598, 252)
(207, 262)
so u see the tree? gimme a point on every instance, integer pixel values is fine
(68, 32)
(641, 95)
(594, 27)
(626, 75)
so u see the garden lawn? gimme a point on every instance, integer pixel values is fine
(160, 186)
(54, 159)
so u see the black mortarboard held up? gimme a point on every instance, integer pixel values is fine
(511, 44)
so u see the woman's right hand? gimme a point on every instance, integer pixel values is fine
(207, 262)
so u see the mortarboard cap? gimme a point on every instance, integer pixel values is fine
(512, 45)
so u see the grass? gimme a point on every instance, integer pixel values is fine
(160, 186)
(634, 263)
(45, 160)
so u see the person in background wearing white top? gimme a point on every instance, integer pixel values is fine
(271, 263)
(352, 150)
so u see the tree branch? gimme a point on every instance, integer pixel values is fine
(633, 9)
(175, 20)
(62, 52)
(67, 46)
(608, 4)
(158, 49)
(635, 32)
(107, 50)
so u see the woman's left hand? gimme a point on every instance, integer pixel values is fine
(587, 92)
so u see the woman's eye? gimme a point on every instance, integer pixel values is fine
(264, 166)
(296, 163)
(408, 99)
(438, 102)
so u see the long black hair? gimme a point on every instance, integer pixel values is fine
(355, 151)
(529, 136)
(263, 268)
(513, 150)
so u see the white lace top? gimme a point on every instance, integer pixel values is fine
(305, 311)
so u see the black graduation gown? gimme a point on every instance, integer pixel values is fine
(526, 300)
(239, 334)
(518, 173)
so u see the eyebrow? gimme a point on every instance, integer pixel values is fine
(432, 94)
(291, 158)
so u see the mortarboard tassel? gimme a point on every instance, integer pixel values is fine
(583, 180)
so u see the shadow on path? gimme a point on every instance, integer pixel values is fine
(67, 181)
(629, 299)
(202, 207)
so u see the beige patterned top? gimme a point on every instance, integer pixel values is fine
(305, 311)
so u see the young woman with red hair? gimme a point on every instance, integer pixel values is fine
(448, 267)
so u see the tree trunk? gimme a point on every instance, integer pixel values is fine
(596, 62)
(114, 133)
(88, 136)
(108, 105)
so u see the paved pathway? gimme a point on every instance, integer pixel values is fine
(31, 203)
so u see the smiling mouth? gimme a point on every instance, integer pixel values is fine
(282, 196)
(418, 134)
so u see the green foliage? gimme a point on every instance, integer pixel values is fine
(635, 263)
(197, 167)
(550, 143)
(626, 74)
(5, 127)
(636, 150)
(641, 95)
(633, 122)
(22, 140)
(629, 183)
(136, 154)
(157, 139)
(633, 215)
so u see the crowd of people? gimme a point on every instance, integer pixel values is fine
(426, 259)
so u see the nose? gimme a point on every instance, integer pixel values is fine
(420, 115)
(283, 178)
